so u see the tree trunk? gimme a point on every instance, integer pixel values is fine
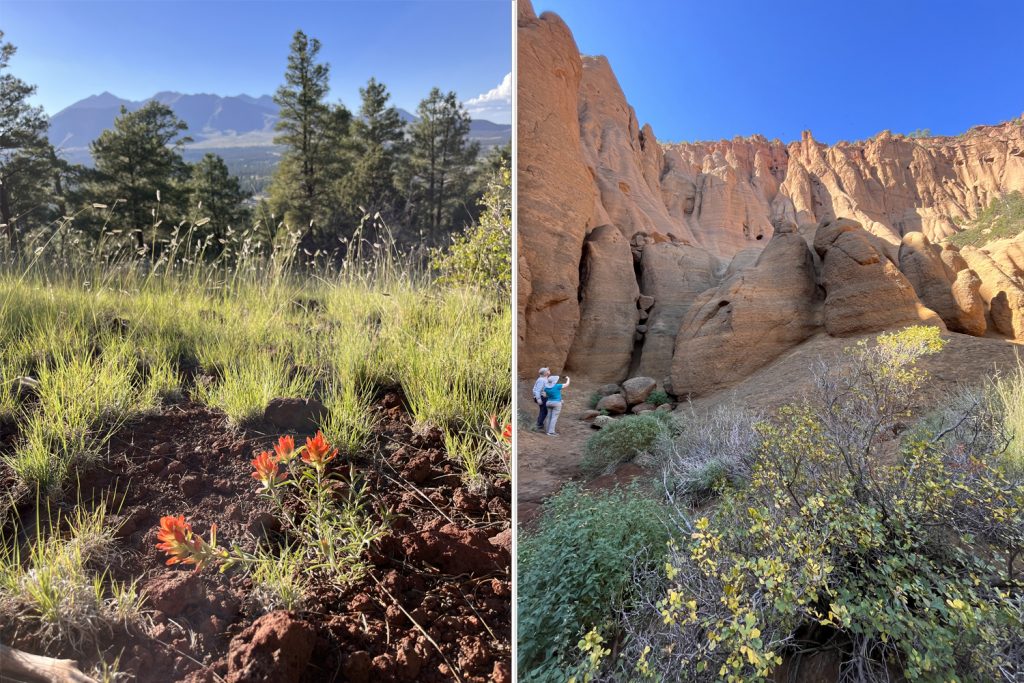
(6, 218)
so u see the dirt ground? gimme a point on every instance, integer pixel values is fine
(436, 605)
(545, 464)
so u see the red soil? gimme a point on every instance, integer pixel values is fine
(444, 564)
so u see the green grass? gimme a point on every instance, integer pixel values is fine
(1008, 390)
(1002, 218)
(59, 587)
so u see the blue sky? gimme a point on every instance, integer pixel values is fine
(75, 48)
(847, 69)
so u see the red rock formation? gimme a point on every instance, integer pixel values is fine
(681, 221)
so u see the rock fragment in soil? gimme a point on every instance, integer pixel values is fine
(295, 414)
(276, 647)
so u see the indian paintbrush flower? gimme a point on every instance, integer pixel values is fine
(318, 452)
(266, 470)
(186, 547)
(285, 449)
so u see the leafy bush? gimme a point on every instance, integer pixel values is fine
(658, 398)
(1003, 217)
(900, 558)
(576, 569)
(626, 438)
(483, 253)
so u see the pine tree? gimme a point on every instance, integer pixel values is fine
(378, 134)
(217, 197)
(140, 166)
(441, 160)
(25, 153)
(314, 134)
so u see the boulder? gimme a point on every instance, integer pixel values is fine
(864, 290)
(922, 263)
(295, 414)
(589, 414)
(1004, 296)
(637, 389)
(602, 421)
(642, 408)
(749, 320)
(615, 404)
(608, 390)
(966, 291)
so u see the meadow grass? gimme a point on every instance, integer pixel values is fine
(1008, 391)
(111, 342)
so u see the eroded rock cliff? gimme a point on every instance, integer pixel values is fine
(641, 257)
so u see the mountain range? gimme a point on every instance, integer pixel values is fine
(237, 127)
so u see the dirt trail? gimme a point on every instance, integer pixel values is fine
(546, 463)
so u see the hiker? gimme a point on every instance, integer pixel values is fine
(538, 396)
(553, 391)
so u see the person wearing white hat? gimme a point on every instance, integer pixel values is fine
(539, 397)
(553, 391)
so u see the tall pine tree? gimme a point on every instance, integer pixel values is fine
(314, 134)
(378, 134)
(441, 160)
(25, 153)
(216, 195)
(139, 165)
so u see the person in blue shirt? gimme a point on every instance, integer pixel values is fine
(539, 398)
(553, 392)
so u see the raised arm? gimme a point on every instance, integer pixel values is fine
(566, 382)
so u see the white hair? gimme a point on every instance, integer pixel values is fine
(543, 371)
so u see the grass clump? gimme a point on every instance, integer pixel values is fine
(626, 438)
(58, 588)
(1008, 393)
(576, 570)
(1002, 218)
(250, 382)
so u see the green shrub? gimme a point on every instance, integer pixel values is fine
(483, 253)
(714, 449)
(1002, 218)
(594, 399)
(626, 438)
(658, 398)
(905, 565)
(576, 569)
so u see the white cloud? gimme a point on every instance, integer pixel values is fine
(495, 104)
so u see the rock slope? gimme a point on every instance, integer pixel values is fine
(685, 261)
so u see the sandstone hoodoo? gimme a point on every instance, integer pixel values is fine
(698, 263)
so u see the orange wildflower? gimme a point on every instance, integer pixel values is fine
(318, 452)
(285, 449)
(267, 470)
(178, 541)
